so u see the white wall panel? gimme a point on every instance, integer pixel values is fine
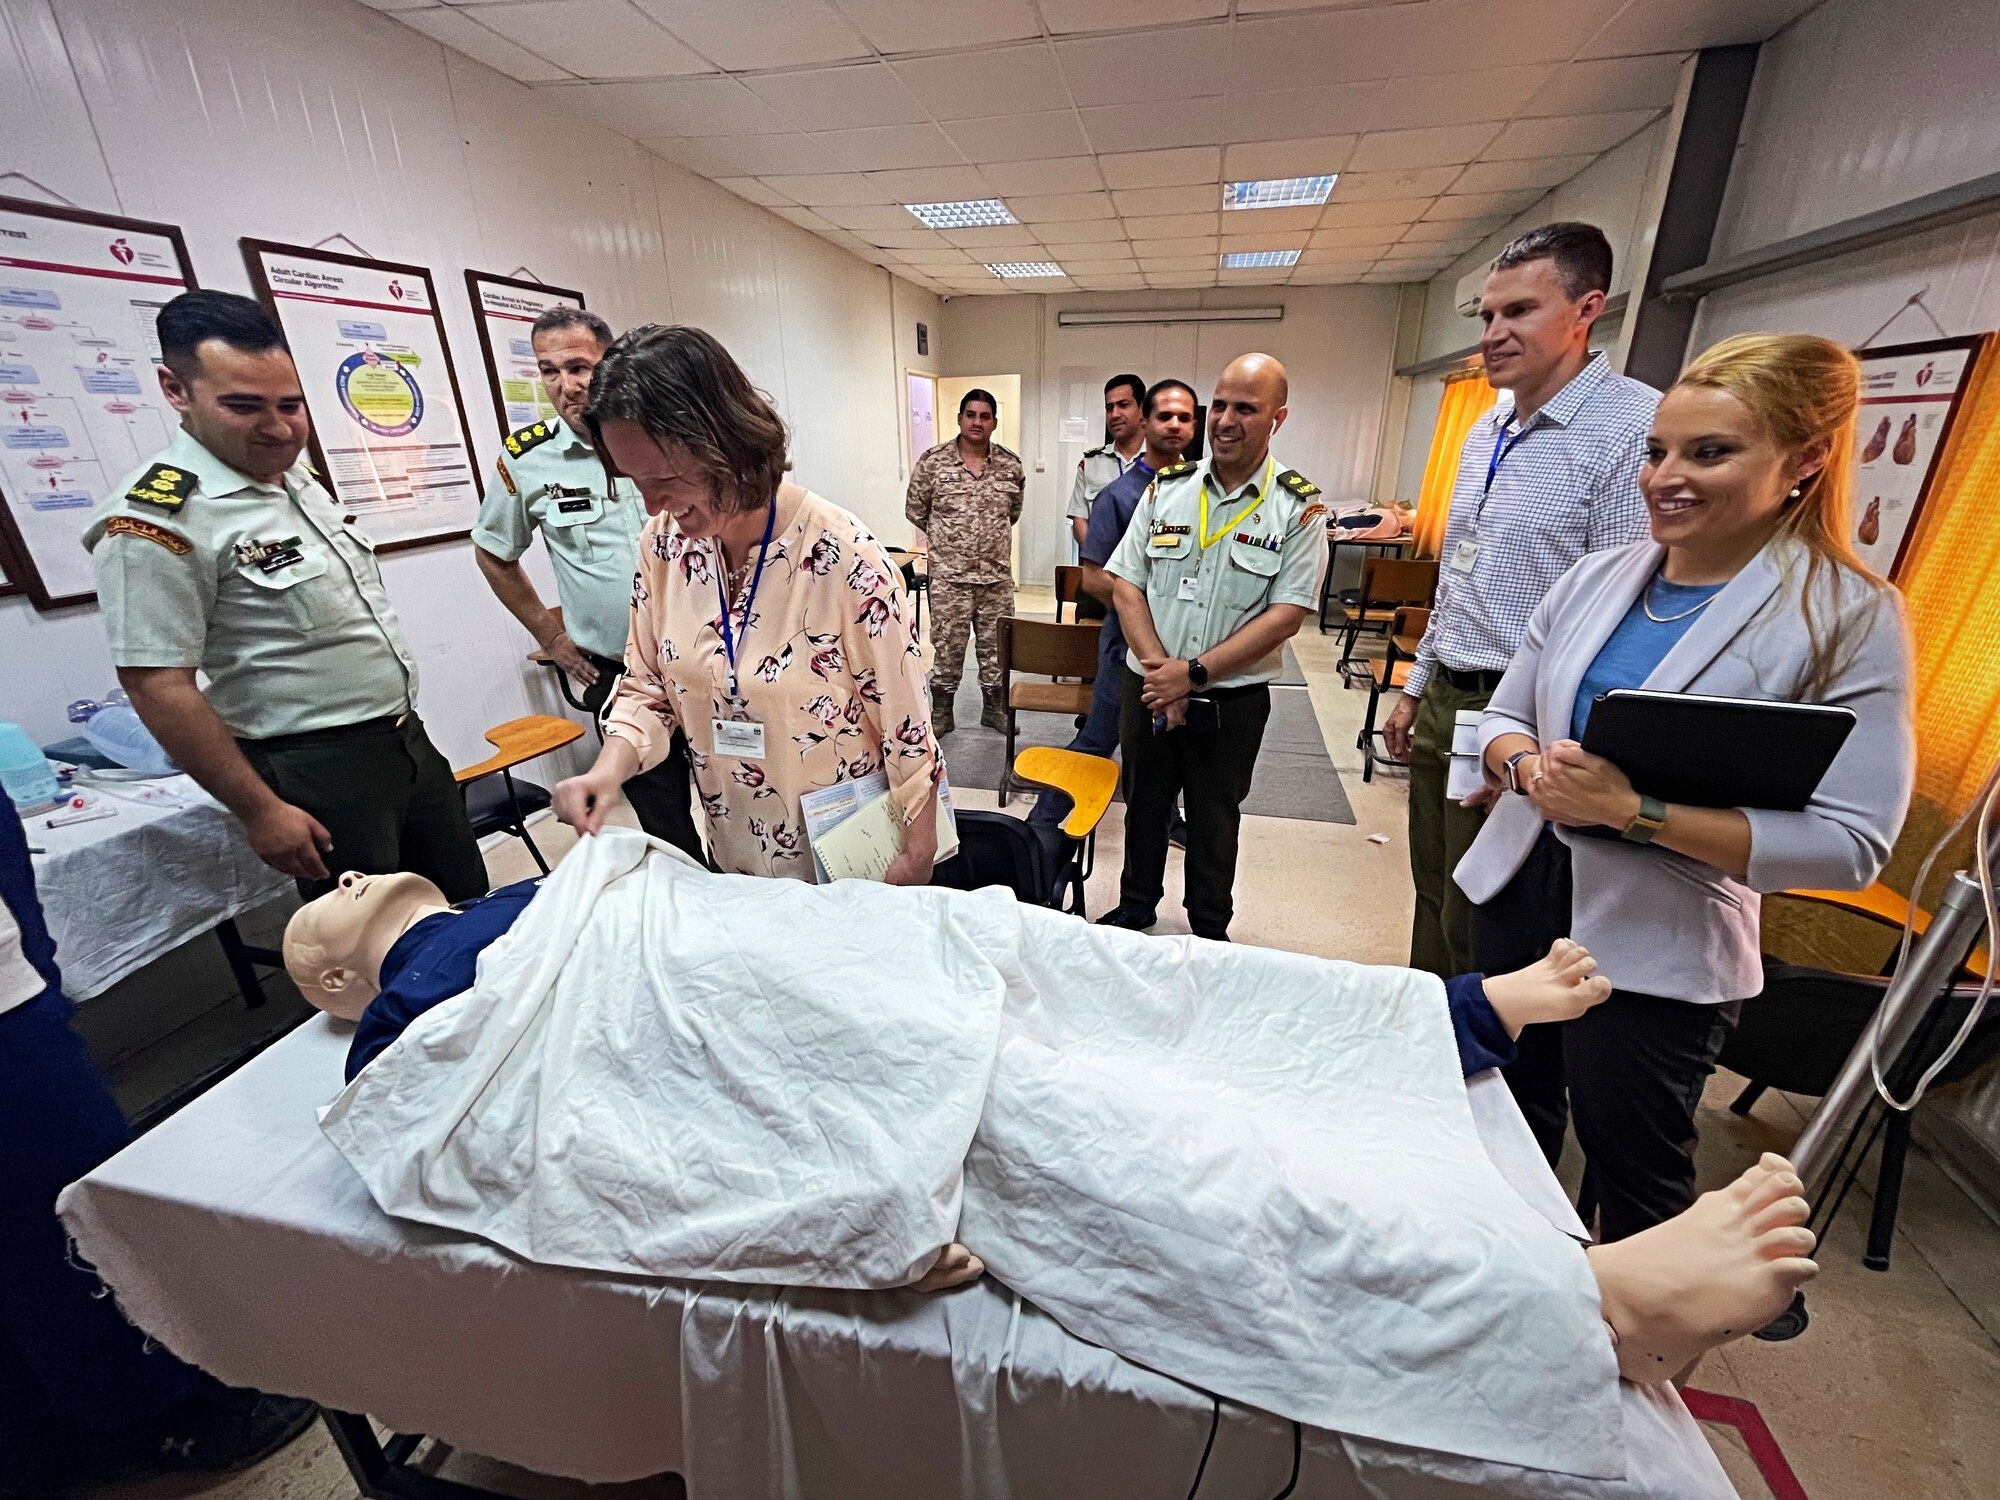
(299, 119)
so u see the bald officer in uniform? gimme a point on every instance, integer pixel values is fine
(1218, 569)
(1124, 441)
(549, 478)
(225, 555)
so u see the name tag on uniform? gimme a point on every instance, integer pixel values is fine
(269, 557)
(742, 738)
(1465, 554)
(1186, 592)
(570, 499)
(1165, 535)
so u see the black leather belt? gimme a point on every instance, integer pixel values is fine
(1471, 682)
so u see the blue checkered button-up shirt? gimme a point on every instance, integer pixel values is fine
(1569, 484)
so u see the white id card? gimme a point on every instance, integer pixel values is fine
(1465, 554)
(742, 738)
(1186, 592)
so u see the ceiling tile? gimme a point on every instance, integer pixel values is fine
(1606, 84)
(476, 42)
(805, 218)
(1145, 169)
(1148, 127)
(1085, 254)
(673, 106)
(940, 25)
(1464, 233)
(748, 34)
(1061, 208)
(1206, 244)
(937, 262)
(1045, 136)
(997, 237)
(1167, 280)
(1564, 135)
(394, 5)
(1131, 69)
(885, 216)
(1272, 114)
(748, 155)
(1500, 176)
(881, 148)
(1315, 256)
(1263, 220)
(1312, 50)
(1172, 226)
(1276, 240)
(1068, 16)
(1151, 263)
(1457, 98)
(593, 38)
(840, 98)
(1450, 35)
(1373, 187)
(1194, 198)
(930, 185)
(1481, 205)
(1307, 158)
(1349, 239)
(829, 188)
(1388, 211)
(1398, 150)
(1110, 283)
(1070, 174)
(755, 191)
(1304, 275)
(1690, 24)
(1000, 81)
(1093, 231)
(916, 245)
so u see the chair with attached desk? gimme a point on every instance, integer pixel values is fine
(1044, 864)
(916, 581)
(505, 805)
(1388, 676)
(1059, 650)
(1387, 585)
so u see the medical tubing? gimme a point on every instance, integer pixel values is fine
(1983, 806)
(1214, 1421)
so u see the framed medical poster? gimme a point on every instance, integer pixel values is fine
(389, 433)
(1910, 395)
(505, 309)
(80, 401)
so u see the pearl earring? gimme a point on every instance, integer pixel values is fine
(1795, 491)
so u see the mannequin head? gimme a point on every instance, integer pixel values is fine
(335, 944)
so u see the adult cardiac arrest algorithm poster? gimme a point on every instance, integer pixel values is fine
(507, 310)
(379, 386)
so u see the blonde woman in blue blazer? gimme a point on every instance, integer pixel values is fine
(1748, 589)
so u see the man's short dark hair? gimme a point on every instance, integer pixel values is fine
(976, 394)
(1137, 385)
(193, 318)
(1581, 253)
(563, 316)
(1169, 384)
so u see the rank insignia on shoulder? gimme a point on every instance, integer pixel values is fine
(522, 439)
(1094, 452)
(1298, 484)
(164, 486)
(1174, 471)
(147, 531)
(506, 478)
(1311, 514)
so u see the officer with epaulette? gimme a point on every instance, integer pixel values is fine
(225, 555)
(549, 478)
(1219, 568)
(1124, 441)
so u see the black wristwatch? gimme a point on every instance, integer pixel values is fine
(1197, 673)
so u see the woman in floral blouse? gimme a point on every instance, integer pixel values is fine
(809, 676)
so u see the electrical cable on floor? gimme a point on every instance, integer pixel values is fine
(1215, 1421)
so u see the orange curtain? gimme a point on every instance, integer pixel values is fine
(1467, 397)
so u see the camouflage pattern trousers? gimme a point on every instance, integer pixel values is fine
(955, 608)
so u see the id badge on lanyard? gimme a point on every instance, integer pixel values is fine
(742, 737)
(1466, 553)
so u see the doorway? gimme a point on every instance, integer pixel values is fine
(1005, 389)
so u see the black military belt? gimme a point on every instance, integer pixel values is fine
(386, 724)
(1230, 694)
(1471, 682)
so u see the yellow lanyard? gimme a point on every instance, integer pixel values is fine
(1210, 538)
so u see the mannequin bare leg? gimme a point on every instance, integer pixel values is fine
(1722, 1269)
(1558, 987)
(955, 1266)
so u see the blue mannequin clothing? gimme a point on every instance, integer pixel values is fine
(434, 960)
(1110, 513)
(1640, 643)
(439, 957)
(70, 1365)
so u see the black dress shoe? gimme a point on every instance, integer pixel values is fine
(1125, 916)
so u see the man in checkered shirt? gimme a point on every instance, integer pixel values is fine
(1542, 480)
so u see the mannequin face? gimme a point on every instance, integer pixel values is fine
(334, 945)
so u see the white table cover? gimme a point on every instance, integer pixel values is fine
(237, 1235)
(120, 891)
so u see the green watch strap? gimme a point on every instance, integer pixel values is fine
(1651, 819)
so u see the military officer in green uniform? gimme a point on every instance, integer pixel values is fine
(225, 555)
(1218, 569)
(1124, 441)
(549, 478)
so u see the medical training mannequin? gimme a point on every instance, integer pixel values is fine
(1723, 1268)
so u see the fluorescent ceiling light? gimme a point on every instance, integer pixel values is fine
(1011, 268)
(1109, 317)
(1279, 192)
(1253, 260)
(975, 213)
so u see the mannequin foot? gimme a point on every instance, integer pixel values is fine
(1724, 1268)
(955, 1266)
(1559, 987)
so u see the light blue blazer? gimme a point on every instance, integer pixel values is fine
(1660, 923)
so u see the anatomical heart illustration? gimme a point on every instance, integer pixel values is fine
(1872, 450)
(1906, 441)
(1871, 523)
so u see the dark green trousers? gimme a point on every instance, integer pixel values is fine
(659, 797)
(1440, 832)
(386, 796)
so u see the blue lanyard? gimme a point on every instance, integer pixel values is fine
(1501, 449)
(728, 639)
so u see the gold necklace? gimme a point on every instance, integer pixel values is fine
(1646, 603)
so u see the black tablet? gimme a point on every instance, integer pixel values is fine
(1717, 752)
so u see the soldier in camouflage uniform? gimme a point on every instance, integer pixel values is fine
(965, 495)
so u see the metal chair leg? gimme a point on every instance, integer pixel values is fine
(1746, 1101)
(519, 826)
(241, 957)
(1888, 1191)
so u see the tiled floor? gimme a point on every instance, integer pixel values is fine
(1893, 1392)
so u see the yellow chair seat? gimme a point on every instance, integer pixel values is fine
(521, 739)
(1884, 905)
(1089, 780)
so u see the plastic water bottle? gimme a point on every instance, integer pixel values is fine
(24, 771)
(114, 730)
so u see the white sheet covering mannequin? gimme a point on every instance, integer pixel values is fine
(1255, 1171)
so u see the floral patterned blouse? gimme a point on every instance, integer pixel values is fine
(828, 663)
